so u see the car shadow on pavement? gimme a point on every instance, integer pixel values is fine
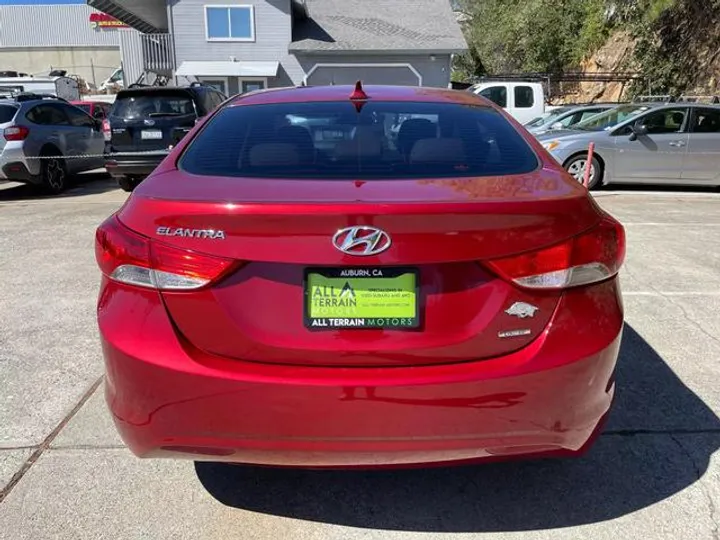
(658, 442)
(82, 185)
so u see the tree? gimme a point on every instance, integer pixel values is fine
(533, 35)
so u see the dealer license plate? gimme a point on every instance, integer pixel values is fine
(151, 134)
(361, 298)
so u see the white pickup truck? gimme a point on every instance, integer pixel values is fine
(524, 101)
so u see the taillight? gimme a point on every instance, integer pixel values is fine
(591, 257)
(16, 133)
(130, 258)
(107, 131)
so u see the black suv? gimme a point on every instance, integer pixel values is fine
(151, 119)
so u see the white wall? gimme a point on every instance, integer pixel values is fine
(76, 60)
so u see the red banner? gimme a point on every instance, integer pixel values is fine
(103, 20)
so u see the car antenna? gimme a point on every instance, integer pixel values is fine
(359, 97)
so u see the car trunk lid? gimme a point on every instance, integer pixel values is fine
(442, 231)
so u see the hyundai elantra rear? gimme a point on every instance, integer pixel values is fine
(378, 276)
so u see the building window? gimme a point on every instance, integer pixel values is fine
(251, 85)
(219, 84)
(230, 23)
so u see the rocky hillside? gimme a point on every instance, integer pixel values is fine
(614, 56)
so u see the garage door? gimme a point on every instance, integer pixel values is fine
(326, 74)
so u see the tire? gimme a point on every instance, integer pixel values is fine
(128, 184)
(575, 166)
(53, 174)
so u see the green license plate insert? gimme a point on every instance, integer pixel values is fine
(376, 297)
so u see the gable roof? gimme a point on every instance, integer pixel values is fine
(357, 26)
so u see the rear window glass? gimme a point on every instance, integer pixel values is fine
(7, 113)
(85, 107)
(336, 141)
(153, 104)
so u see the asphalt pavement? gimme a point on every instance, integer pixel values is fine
(65, 474)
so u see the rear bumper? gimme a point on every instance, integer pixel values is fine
(15, 167)
(17, 171)
(139, 166)
(169, 399)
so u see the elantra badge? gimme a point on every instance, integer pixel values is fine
(361, 241)
(209, 234)
(522, 310)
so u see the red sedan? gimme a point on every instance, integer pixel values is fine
(338, 277)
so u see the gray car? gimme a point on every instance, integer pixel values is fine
(564, 118)
(42, 135)
(653, 143)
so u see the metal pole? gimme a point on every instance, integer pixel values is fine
(92, 69)
(588, 164)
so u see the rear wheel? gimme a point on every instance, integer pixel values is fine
(127, 183)
(54, 175)
(576, 167)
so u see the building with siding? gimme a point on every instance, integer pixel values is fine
(39, 36)
(242, 45)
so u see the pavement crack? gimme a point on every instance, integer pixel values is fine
(48, 441)
(712, 508)
(688, 318)
(89, 447)
(684, 312)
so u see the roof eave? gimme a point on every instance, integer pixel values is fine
(378, 52)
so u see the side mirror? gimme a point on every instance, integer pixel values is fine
(638, 130)
(557, 125)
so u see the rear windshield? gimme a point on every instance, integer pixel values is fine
(334, 140)
(7, 113)
(85, 107)
(152, 104)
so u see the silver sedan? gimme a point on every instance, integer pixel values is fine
(564, 118)
(653, 143)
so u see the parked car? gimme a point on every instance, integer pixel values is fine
(42, 135)
(522, 100)
(145, 122)
(97, 109)
(548, 116)
(449, 297)
(565, 118)
(653, 143)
